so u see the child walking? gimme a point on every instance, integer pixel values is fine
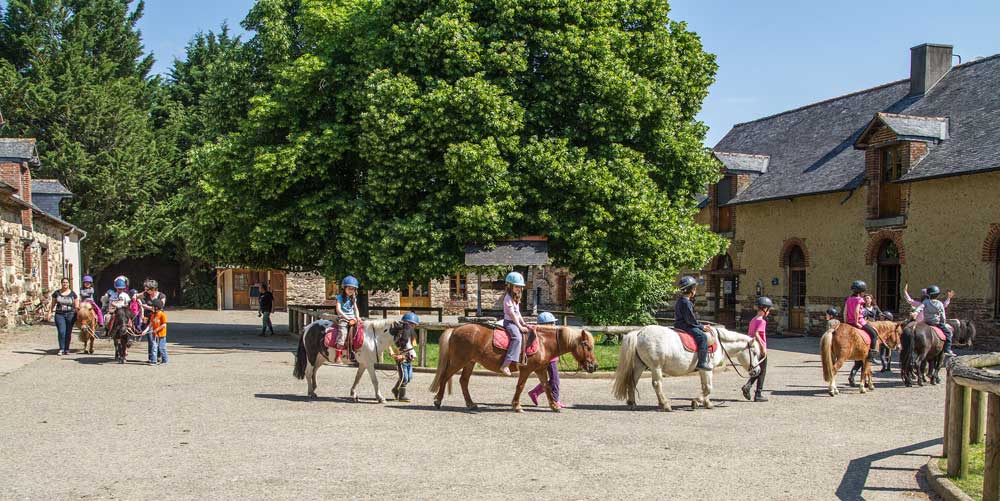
(404, 353)
(546, 318)
(158, 325)
(758, 332)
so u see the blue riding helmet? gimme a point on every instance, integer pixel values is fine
(546, 318)
(412, 318)
(349, 281)
(515, 278)
(88, 278)
(119, 283)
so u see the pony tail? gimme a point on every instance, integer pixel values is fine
(628, 359)
(300, 359)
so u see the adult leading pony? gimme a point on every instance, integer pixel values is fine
(86, 320)
(660, 349)
(312, 353)
(463, 347)
(843, 343)
(922, 354)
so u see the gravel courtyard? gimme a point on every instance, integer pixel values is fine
(226, 419)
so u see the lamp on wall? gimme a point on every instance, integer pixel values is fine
(759, 289)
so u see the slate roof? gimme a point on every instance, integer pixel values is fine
(22, 149)
(513, 253)
(741, 162)
(49, 187)
(811, 148)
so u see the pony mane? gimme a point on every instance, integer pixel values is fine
(729, 336)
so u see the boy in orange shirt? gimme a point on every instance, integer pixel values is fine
(158, 323)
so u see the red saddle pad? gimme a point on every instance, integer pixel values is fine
(688, 341)
(939, 332)
(330, 337)
(501, 340)
(864, 334)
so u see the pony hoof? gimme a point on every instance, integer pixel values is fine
(519, 410)
(694, 404)
(630, 405)
(437, 404)
(472, 407)
(555, 408)
(709, 405)
(356, 398)
(381, 400)
(665, 408)
(832, 393)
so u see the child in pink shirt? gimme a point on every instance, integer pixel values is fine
(758, 332)
(854, 317)
(546, 318)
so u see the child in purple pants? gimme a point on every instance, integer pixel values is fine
(546, 318)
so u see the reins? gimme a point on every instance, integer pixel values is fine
(722, 346)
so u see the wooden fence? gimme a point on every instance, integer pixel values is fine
(300, 316)
(972, 411)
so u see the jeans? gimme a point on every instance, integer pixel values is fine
(64, 329)
(406, 372)
(514, 348)
(759, 378)
(157, 348)
(266, 322)
(698, 333)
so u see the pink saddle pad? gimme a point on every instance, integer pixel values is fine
(501, 340)
(330, 337)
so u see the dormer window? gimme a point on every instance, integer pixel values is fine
(723, 194)
(890, 193)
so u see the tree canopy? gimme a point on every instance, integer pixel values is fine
(390, 134)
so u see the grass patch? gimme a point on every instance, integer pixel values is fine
(971, 484)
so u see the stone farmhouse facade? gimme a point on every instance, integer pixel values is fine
(38, 248)
(893, 185)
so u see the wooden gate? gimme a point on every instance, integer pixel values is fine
(278, 286)
(241, 289)
(796, 289)
(419, 296)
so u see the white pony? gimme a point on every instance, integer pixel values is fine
(379, 335)
(659, 349)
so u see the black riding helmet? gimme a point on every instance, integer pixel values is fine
(686, 283)
(933, 291)
(764, 302)
(833, 312)
(859, 286)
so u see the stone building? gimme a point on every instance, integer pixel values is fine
(895, 184)
(39, 248)
(237, 288)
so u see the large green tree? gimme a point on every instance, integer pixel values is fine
(387, 135)
(74, 75)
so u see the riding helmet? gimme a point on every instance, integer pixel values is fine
(859, 286)
(833, 312)
(764, 302)
(686, 283)
(887, 315)
(546, 318)
(119, 283)
(412, 318)
(515, 278)
(151, 284)
(88, 278)
(349, 281)
(933, 291)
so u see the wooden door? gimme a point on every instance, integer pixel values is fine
(419, 296)
(797, 299)
(887, 279)
(561, 293)
(278, 288)
(890, 193)
(725, 312)
(241, 289)
(996, 285)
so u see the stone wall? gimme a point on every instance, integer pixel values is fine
(26, 279)
(305, 288)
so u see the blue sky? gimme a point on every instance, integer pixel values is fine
(773, 55)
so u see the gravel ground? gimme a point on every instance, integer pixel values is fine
(225, 419)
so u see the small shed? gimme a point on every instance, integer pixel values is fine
(521, 254)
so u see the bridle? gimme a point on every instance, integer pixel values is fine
(733, 363)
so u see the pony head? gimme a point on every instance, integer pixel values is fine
(582, 344)
(402, 332)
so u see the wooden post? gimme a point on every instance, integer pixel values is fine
(291, 321)
(947, 411)
(440, 315)
(955, 430)
(966, 429)
(991, 473)
(422, 356)
(978, 429)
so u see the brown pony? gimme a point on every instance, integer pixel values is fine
(463, 347)
(843, 343)
(86, 320)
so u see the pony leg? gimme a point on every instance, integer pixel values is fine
(869, 378)
(522, 378)
(378, 393)
(658, 389)
(311, 379)
(446, 376)
(834, 390)
(357, 379)
(706, 389)
(464, 380)
(636, 374)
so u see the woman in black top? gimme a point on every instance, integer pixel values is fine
(266, 302)
(63, 306)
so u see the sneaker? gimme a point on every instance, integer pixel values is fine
(533, 395)
(759, 398)
(505, 371)
(560, 404)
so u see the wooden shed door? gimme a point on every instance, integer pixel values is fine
(419, 295)
(241, 289)
(278, 288)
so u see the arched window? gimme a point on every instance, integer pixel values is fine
(887, 275)
(796, 263)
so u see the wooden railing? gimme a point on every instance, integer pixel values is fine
(300, 316)
(972, 411)
(416, 309)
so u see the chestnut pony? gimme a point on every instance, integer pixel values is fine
(463, 347)
(86, 320)
(844, 343)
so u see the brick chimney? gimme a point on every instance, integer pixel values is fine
(928, 63)
(18, 175)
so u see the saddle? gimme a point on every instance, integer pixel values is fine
(355, 336)
(688, 340)
(939, 331)
(863, 333)
(501, 341)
